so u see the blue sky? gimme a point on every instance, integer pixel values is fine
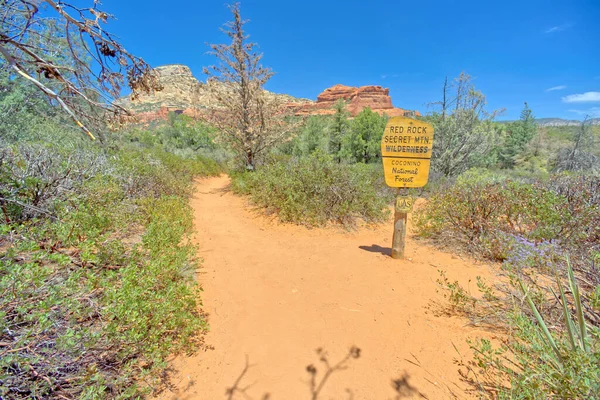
(544, 52)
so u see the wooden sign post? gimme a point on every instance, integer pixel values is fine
(406, 147)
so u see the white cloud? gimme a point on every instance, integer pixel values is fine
(553, 29)
(593, 112)
(558, 28)
(587, 97)
(560, 87)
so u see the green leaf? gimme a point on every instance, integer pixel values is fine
(578, 306)
(540, 321)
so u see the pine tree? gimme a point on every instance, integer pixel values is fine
(339, 129)
(519, 134)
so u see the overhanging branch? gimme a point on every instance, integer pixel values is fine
(49, 92)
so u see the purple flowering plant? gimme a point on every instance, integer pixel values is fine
(526, 253)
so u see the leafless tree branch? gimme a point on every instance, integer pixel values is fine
(248, 119)
(52, 44)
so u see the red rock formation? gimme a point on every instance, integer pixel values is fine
(162, 114)
(184, 94)
(334, 93)
(375, 97)
(155, 115)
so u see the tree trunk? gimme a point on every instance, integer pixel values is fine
(249, 160)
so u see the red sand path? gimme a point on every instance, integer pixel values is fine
(275, 293)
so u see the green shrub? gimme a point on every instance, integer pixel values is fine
(490, 214)
(97, 279)
(317, 190)
(363, 141)
(157, 273)
(180, 135)
(155, 172)
(528, 226)
(35, 178)
(543, 359)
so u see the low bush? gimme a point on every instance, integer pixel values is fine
(35, 178)
(542, 358)
(180, 135)
(96, 271)
(504, 219)
(316, 190)
(528, 226)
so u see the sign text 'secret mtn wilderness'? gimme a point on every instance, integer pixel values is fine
(184, 94)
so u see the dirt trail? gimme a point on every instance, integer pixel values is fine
(276, 292)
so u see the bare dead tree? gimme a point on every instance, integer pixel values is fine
(248, 119)
(66, 53)
(444, 103)
(580, 157)
(464, 130)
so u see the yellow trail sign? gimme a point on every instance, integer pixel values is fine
(406, 172)
(406, 147)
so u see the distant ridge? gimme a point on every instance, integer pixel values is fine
(563, 122)
(545, 122)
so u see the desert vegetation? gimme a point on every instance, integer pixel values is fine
(329, 171)
(520, 201)
(97, 265)
(544, 233)
(542, 226)
(513, 193)
(96, 272)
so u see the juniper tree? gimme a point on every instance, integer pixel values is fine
(313, 136)
(363, 143)
(248, 120)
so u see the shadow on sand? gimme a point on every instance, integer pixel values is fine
(319, 376)
(374, 248)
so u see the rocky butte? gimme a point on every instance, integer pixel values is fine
(183, 94)
(356, 99)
